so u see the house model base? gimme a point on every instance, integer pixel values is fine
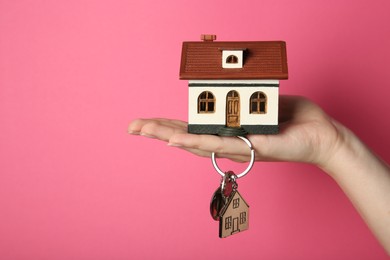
(233, 86)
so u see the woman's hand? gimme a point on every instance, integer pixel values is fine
(307, 134)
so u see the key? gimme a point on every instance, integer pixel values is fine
(217, 203)
(221, 195)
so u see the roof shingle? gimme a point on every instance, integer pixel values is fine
(262, 60)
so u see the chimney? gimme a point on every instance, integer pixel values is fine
(208, 37)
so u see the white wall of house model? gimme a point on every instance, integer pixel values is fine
(245, 88)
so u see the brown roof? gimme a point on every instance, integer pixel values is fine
(262, 60)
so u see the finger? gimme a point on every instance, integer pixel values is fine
(206, 154)
(229, 146)
(196, 152)
(137, 124)
(161, 129)
(171, 122)
(150, 127)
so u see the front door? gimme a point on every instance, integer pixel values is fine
(235, 226)
(233, 109)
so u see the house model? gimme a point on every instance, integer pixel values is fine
(234, 216)
(233, 86)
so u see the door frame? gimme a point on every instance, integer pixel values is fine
(233, 109)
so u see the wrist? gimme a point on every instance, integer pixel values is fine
(346, 150)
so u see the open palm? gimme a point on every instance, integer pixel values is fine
(307, 134)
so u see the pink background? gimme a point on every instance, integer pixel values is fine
(75, 185)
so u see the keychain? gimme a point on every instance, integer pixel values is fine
(227, 205)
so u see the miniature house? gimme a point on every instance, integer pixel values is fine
(234, 216)
(233, 86)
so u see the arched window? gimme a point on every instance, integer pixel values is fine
(258, 103)
(231, 59)
(206, 102)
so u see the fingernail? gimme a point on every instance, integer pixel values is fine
(133, 132)
(174, 145)
(147, 135)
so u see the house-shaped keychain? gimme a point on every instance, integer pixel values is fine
(233, 86)
(234, 216)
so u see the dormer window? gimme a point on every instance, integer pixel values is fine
(232, 59)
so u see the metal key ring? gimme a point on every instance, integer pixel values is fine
(250, 162)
